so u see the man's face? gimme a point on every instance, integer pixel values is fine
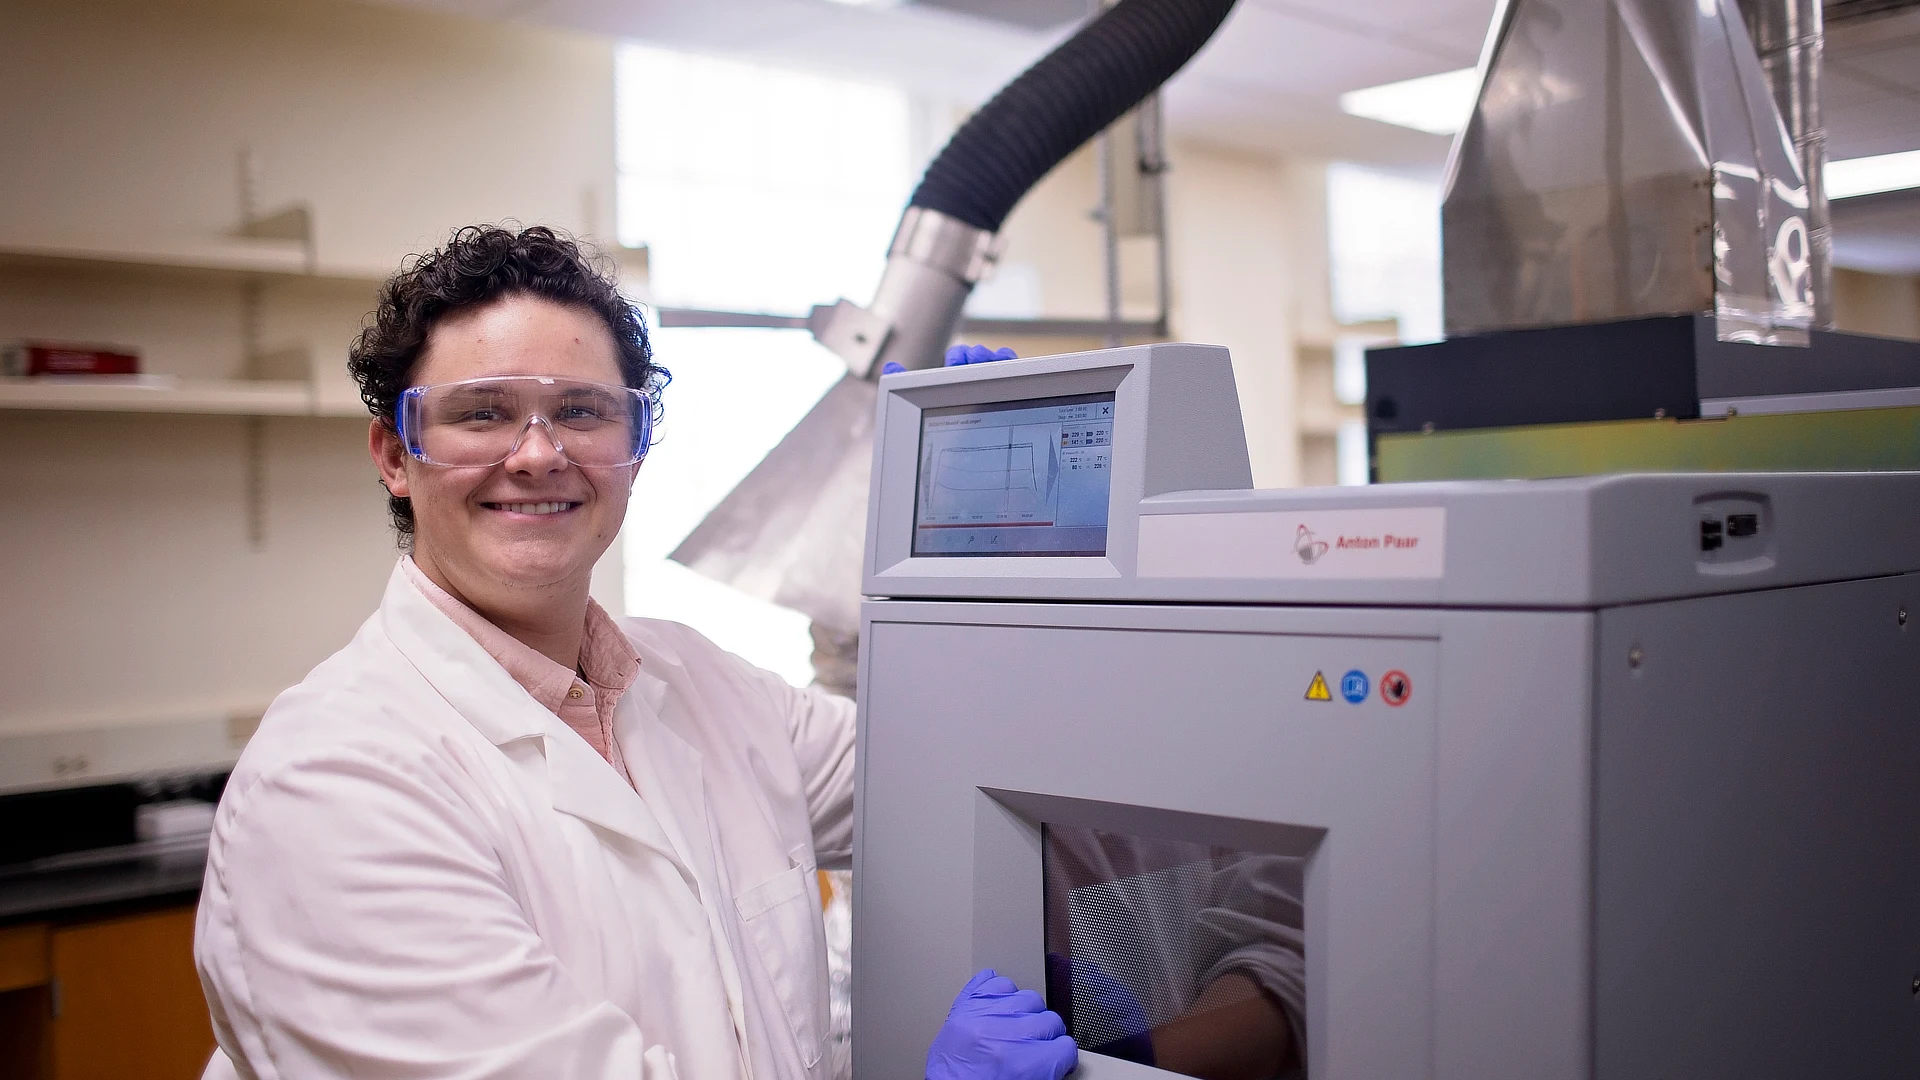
(494, 533)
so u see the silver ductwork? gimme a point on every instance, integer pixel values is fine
(792, 531)
(933, 264)
(1625, 159)
(1790, 36)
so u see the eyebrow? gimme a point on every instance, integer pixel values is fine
(594, 392)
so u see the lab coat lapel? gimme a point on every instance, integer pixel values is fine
(585, 786)
(665, 769)
(668, 774)
(578, 781)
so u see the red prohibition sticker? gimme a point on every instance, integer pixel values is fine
(1395, 688)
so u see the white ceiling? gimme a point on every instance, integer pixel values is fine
(1871, 92)
(1272, 78)
(1269, 81)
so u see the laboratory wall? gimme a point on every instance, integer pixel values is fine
(161, 124)
(1248, 260)
(129, 118)
(1249, 269)
(1883, 304)
(188, 567)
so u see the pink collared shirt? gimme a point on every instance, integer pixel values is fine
(583, 700)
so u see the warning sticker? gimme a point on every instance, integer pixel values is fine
(1317, 689)
(1395, 688)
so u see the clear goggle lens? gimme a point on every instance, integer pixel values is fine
(479, 422)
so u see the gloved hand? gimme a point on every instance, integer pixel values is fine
(958, 355)
(976, 354)
(1100, 997)
(997, 1031)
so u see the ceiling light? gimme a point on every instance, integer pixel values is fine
(1866, 175)
(1434, 103)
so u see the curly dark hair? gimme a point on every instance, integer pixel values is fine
(479, 265)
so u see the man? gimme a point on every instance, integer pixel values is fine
(501, 834)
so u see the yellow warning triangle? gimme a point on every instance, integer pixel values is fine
(1317, 689)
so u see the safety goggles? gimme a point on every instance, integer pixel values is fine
(479, 422)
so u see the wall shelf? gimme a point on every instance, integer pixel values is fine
(215, 256)
(209, 397)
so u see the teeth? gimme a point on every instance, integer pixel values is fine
(535, 508)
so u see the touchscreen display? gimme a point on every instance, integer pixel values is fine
(1015, 478)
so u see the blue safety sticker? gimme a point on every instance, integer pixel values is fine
(1354, 686)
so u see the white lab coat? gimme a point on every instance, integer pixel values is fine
(419, 871)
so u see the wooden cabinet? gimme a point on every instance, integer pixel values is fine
(26, 1003)
(115, 997)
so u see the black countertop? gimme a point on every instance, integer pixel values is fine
(136, 877)
(73, 853)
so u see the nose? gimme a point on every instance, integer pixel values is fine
(538, 450)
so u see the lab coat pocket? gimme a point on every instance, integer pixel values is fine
(782, 918)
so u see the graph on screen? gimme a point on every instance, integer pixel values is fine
(1007, 481)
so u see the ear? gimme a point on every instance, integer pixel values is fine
(389, 456)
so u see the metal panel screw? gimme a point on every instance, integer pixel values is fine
(1916, 986)
(1903, 616)
(1634, 656)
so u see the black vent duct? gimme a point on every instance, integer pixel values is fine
(1070, 96)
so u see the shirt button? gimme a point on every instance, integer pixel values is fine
(575, 692)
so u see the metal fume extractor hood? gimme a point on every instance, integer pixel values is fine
(1635, 236)
(793, 530)
(1625, 158)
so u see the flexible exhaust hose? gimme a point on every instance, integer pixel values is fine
(1068, 97)
(945, 241)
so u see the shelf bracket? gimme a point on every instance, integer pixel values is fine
(254, 454)
(256, 482)
(292, 223)
(295, 223)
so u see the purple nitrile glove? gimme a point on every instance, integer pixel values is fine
(977, 354)
(892, 367)
(997, 1031)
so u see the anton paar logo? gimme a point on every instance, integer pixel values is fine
(1305, 546)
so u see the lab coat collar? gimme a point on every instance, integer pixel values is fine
(658, 662)
(579, 781)
(478, 688)
(648, 686)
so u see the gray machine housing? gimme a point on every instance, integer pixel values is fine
(1645, 811)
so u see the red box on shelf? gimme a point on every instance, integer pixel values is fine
(51, 358)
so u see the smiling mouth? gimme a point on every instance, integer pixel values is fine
(534, 508)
